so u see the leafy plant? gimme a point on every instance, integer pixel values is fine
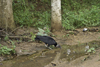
(6, 38)
(13, 45)
(32, 36)
(47, 30)
(67, 35)
(91, 50)
(41, 32)
(44, 31)
(4, 50)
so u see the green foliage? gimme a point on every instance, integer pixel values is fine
(75, 13)
(13, 45)
(67, 35)
(91, 50)
(81, 18)
(22, 14)
(12, 42)
(6, 38)
(32, 36)
(41, 32)
(25, 13)
(44, 31)
(4, 50)
(43, 19)
(47, 30)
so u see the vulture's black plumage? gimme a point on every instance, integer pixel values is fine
(47, 40)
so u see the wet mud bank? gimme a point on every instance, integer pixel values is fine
(56, 56)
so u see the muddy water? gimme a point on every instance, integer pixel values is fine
(36, 60)
(44, 57)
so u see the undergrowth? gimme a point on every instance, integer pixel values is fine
(81, 18)
(26, 13)
(75, 13)
(4, 50)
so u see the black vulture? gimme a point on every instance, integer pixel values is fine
(47, 40)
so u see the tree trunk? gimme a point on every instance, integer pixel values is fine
(56, 24)
(6, 15)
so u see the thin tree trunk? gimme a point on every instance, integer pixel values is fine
(6, 15)
(56, 24)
